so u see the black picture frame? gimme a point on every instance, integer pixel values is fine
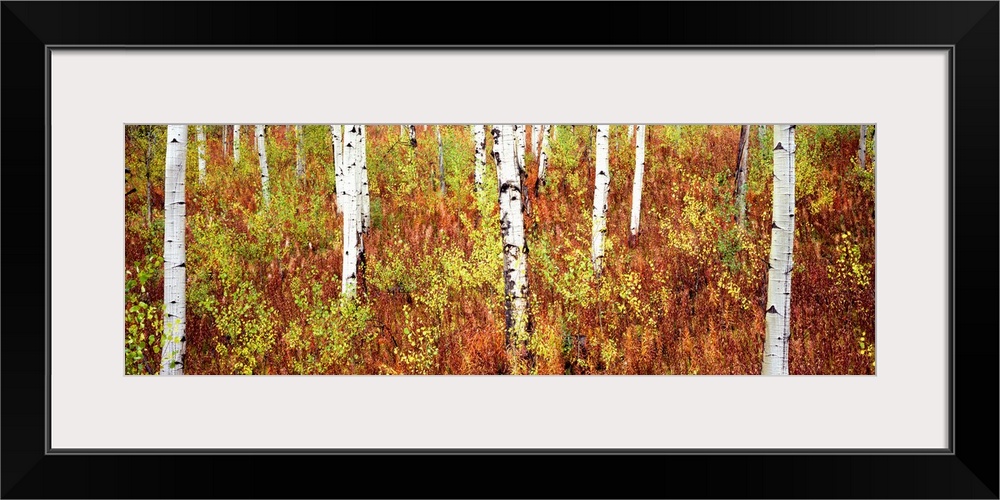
(969, 469)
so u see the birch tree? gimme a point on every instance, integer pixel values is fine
(521, 144)
(437, 128)
(630, 130)
(236, 143)
(862, 146)
(543, 159)
(779, 274)
(364, 202)
(602, 181)
(173, 341)
(536, 132)
(352, 222)
(640, 159)
(225, 140)
(262, 158)
(515, 250)
(336, 131)
(201, 153)
(479, 135)
(740, 192)
(300, 159)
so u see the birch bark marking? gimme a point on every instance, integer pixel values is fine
(336, 131)
(236, 143)
(479, 134)
(740, 193)
(201, 153)
(437, 128)
(640, 160)
(349, 281)
(515, 250)
(300, 159)
(862, 146)
(173, 341)
(543, 159)
(599, 219)
(779, 274)
(262, 158)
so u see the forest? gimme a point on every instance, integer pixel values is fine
(499, 249)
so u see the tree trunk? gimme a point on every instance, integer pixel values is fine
(262, 158)
(543, 158)
(521, 144)
(336, 131)
(555, 132)
(413, 137)
(479, 133)
(515, 250)
(640, 159)
(352, 222)
(440, 158)
(741, 175)
(862, 146)
(630, 130)
(201, 153)
(236, 143)
(601, 183)
(364, 202)
(300, 159)
(150, 133)
(779, 275)
(173, 341)
(536, 132)
(225, 140)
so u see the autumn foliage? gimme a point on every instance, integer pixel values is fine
(263, 290)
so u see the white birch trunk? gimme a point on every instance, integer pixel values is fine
(602, 181)
(521, 144)
(201, 153)
(514, 247)
(630, 130)
(742, 152)
(536, 143)
(336, 131)
(173, 341)
(300, 159)
(862, 146)
(225, 140)
(413, 137)
(479, 135)
(543, 159)
(236, 143)
(262, 158)
(352, 222)
(640, 159)
(437, 128)
(364, 202)
(779, 274)
(555, 132)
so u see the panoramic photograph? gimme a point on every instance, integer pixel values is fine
(512, 249)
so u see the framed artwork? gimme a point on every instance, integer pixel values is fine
(418, 351)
